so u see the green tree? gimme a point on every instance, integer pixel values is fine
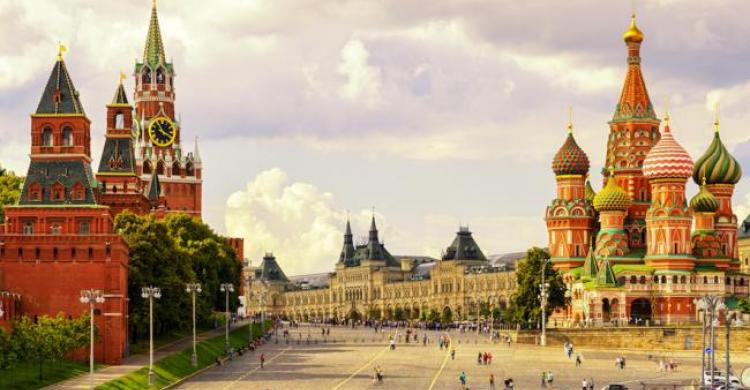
(525, 307)
(745, 306)
(447, 316)
(10, 190)
(433, 316)
(399, 314)
(167, 254)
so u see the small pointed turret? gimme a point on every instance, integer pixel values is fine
(60, 95)
(154, 189)
(347, 252)
(373, 236)
(120, 98)
(196, 151)
(606, 275)
(590, 267)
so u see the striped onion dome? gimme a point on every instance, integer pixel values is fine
(704, 201)
(717, 165)
(667, 159)
(570, 159)
(612, 197)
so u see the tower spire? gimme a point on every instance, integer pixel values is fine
(153, 52)
(716, 117)
(570, 119)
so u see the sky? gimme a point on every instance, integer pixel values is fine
(436, 114)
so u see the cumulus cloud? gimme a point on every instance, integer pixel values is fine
(300, 223)
(363, 79)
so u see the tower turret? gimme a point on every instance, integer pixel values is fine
(612, 203)
(570, 216)
(669, 219)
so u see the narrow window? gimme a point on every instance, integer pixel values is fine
(67, 134)
(28, 228)
(47, 138)
(83, 228)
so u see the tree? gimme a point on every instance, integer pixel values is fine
(433, 316)
(10, 190)
(167, 254)
(447, 316)
(525, 307)
(745, 306)
(399, 314)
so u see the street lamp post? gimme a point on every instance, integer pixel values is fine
(91, 297)
(711, 304)
(150, 293)
(227, 288)
(192, 289)
(543, 295)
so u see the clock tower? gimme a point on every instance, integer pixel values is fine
(158, 132)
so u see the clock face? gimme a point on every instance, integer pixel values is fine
(162, 131)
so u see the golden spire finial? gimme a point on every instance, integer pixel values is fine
(633, 34)
(60, 50)
(703, 181)
(666, 113)
(153, 3)
(570, 119)
(122, 77)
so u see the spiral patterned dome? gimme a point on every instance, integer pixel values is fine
(717, 165)
(704, 201)
(612, 197)
(570, 159)
(667, 159)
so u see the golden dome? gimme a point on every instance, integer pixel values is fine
(633, 34)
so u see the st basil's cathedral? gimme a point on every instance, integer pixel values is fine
(639, 251)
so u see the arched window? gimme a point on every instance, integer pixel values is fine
(146, 76)
(176, 168)
(716, 280)
(705, 280)
(189, 170)
(674, 279)
(28, 228)
(146, 167)
(58, 192)
(160, 75)
(676, 246)
(642, 280)
(119, 121)
(683, 279)
(47, 137)
(663, 279)
(160, 168)
(67, 136)
(633, 279)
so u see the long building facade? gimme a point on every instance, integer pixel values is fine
(369, 283)
(639, 251)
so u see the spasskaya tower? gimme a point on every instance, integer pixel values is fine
(157, 131)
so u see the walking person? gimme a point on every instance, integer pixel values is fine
(584, 384)
(262, 359)
(578, 360)
(453, 354)
(462, 379)
(479, 358)
(591, 383)
(492, 381)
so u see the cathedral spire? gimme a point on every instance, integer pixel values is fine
(634, 100)
(373, 230)
(153, 52)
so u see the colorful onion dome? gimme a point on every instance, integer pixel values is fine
(633, 34)
(570, 159)
(717, 165)
(704, 201)
(589, 193)
(612, 197)
(667, 159)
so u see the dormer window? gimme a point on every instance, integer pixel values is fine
(67, 136)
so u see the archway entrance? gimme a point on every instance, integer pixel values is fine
(354, 315)
(640, 311)
(606, 310)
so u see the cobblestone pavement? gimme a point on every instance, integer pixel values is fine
(348, 363)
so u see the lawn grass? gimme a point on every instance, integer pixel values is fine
(178, 365)
(160, 341)
(25, 376)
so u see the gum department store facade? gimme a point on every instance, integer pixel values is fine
(638, 251)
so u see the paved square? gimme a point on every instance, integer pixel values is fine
(348, 364)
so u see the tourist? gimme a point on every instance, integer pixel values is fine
(262, 359)
(591, 383)
(453, 354)
(508, 384)
(479, 358)
(578, 360)
(550, 377)
(584, 384)
(492, 382)
(393, 344)
(544, 378)
(462, 379)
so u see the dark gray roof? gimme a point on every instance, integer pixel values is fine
(372, 250)
(744, 229)
(464, 247)
(120, 96)
(311, 280)
(67, 173)
(117, 156)
(154, 187)
(508, 260)
(269, 270)
(60, 95)
(347, 252)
